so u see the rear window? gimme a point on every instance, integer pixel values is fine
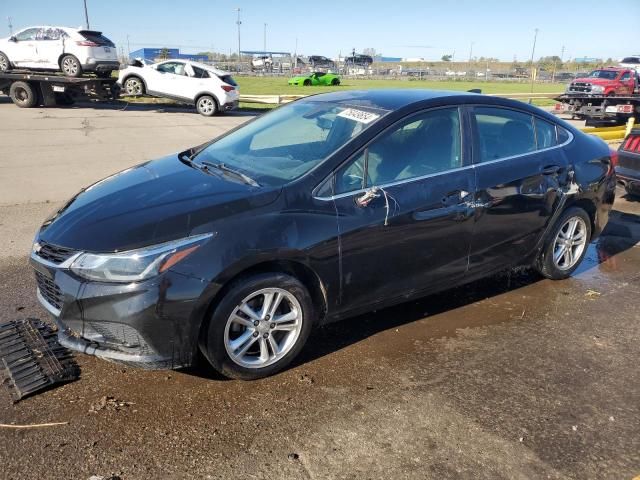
(545, 134)
(97, 37)
(228, 79)
(563, 135)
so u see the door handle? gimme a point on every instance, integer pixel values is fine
(454, 198)
(551, 169)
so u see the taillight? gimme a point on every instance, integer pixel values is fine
(632, 144)
(87, 43)
(228, 88)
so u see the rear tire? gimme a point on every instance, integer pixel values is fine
(104, 74)
(335, 82)
(307, 83)
(70, 66)
(206, 105)
(248, 339)
(5, 64)
(566, 245)
(23, 94)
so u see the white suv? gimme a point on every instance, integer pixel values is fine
(71, 50)
(209, 89)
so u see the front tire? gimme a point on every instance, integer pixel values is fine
(133, 86)
(566, 245)
(70, 66)
(259, 326)
(206, 105)
(23, 94)
(5, 64)
(307, 83)
(335, 82)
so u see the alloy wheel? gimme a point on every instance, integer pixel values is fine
(206, 106)
(133, 86)
(4, 63)
(570, 243)
(70, 66)
(263, 328)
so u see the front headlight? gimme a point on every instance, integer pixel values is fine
(136, 265)
(597, 89)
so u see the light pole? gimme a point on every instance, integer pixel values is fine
(86, 15)
(10, 26)
(264, 43)
(238, 22)
(470, 57)
(533, 51)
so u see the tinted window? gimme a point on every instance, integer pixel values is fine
(199, 72)
(545, 134)
(626, 76)
(503, 133)
(97, 37)
(228, 79)
(177, 68)
(424, 144)
(29, 34)
(286, 143)
(562, 134)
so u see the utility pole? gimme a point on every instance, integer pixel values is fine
(470, 57)
(533, 51)
(10, 26)
(264, 43)
(86, 15)
(238, 22)
(128, 47)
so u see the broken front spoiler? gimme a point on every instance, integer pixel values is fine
(152, 361)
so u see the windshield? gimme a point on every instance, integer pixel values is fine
(286, 143)
(606, 74)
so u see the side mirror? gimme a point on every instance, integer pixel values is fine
(13, 39)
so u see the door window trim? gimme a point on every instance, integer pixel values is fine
(476, 135)
(463, 154)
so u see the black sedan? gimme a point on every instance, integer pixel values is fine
(330, 206)
(628, 168)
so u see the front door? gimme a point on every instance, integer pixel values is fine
(23, 51)
(404, 219)
(519, 172)
(169, 79)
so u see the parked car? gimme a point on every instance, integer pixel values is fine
(209, 89)
(70, 50)
(318, 61)
(359, 59)
(610, 81)
(315, 79)
(628, 168)
(632, 62)
(330, 206)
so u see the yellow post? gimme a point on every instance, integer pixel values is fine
(630, 123)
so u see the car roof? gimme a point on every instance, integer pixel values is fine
(396, 99)
(207, 67)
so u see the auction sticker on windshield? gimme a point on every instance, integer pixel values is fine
(358, 115)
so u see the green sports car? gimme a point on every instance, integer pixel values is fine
(315, 78)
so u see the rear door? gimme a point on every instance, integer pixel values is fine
(170, 78)
(49, 46)
(519, 169)
(402, 207)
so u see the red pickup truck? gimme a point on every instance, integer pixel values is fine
(609, 81)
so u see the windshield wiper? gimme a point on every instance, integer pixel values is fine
(230, 171)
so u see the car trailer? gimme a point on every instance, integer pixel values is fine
(28, 89)
(599, 109)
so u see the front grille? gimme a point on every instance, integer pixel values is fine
(54, 253)
(49, 290)
(580, 87)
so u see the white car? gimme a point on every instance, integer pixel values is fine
(209, 89)
(632, 62)
(71, 50)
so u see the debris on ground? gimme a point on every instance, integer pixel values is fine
(592, 294)
(31, 358)
(304, 378)
(293, 457)
(33, 425)
(108, 403)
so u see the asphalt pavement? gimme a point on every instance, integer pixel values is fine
(514, 377)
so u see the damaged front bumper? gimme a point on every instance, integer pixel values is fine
(152, 324)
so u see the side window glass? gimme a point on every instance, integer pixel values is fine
(424, 144)
(172, 67)
(503, 133)
(545, 134)
(562, 134)
(199, 72)
(29, 34)
(350, 177)
(625, 77)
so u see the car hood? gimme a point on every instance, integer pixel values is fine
(594, 81)
(151, 203)
(297, 79)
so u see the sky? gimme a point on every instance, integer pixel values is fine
(402, 28)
